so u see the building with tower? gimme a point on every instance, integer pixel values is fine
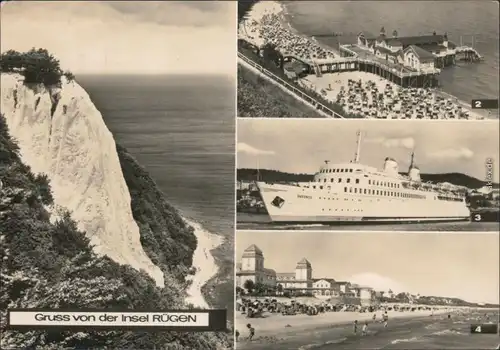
(252, 268)
(417, 52)
(301, 280)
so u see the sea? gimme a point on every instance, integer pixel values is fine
(181, 129)
(426, 332)
(466, 22)
(251, 221)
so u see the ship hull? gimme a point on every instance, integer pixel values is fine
(298, 205)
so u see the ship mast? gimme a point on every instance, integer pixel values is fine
(358, 147)
(412, 157)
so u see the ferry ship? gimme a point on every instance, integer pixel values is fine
(352, 192)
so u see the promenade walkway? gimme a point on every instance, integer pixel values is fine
(307, 99)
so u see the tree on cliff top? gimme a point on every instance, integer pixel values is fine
(38, 66)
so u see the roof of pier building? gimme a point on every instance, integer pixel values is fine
(422, 54)
(406, 41)
(385, 51)
(416, 40)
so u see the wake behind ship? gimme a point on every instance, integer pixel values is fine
(352, 192)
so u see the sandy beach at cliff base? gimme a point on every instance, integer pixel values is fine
(204, 262)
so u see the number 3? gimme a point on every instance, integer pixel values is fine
(477, 217)
(477, 104)
(478, 329)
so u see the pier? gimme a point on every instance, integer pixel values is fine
(354, 58)
(469, 54)
(351, 60)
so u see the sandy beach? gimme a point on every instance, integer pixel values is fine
(249, 30)
(277, 324)
(411, 330)
(204, 263)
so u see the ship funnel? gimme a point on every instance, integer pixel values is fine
(414, 174)
(391, 166)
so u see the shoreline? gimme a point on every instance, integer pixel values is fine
(204, 262)
(279, 325)
(280, 9)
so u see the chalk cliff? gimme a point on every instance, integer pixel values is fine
(62, 134)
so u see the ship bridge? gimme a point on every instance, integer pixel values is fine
(328, 170)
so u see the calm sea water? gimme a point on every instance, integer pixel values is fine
(249, 221)
(181, 129)
(460, 19)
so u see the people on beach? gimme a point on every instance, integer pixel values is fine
(386, 319)
(269, 29)
(355, 326)
(251, 331)
(365, 329)
(369, 99)
(237, 335)
(364, 100)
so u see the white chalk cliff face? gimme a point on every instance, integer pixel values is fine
(76, 150)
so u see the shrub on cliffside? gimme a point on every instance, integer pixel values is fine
(52, 265)
(166, 238)
(258, 98)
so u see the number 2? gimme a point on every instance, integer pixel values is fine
(477, 104)
(477, 217)
(478, 329)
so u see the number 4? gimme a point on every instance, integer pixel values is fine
(477, 104)
(478, 329)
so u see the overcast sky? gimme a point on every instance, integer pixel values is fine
(302, 146)
(126, 37)
(464, 265)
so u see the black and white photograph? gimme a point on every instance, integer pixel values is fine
(305, 174)
(117, 165)
(366, 290)
(433, 60)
